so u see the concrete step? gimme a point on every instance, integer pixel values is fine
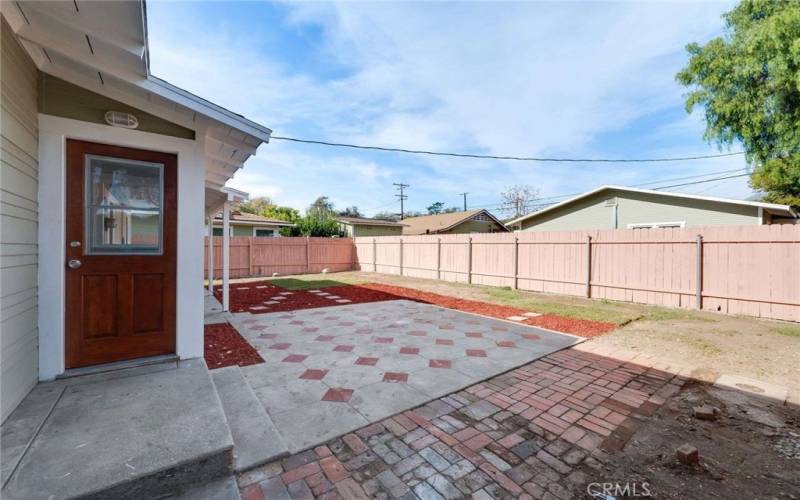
(149, 435)
(255, 439)
(224, 488)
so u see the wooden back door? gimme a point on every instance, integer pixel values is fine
(121, 218)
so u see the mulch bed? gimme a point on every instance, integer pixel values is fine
(245, 296)
(225, 347)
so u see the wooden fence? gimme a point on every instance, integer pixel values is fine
(749, 270)
(251, 256)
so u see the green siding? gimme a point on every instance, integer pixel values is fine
(242, 230)
(60, 98)
(378, 230)
(641, 208)
(475, 226)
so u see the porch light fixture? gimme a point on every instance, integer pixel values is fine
(121, 119)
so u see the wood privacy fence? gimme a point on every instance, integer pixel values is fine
(749, 270)
(251, 256)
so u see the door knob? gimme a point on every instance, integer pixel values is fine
(74, 264)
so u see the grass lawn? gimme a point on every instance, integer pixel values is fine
(312, 282)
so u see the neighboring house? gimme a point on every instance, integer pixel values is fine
(362, 226)
(107, 176)
(618, 207)
(470, 221)
(246, 224)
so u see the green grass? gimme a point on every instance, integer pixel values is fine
(595, 311)
(309, 283)
(788, 330)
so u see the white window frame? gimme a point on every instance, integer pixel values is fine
(652, 225)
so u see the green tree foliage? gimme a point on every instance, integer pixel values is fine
(748, 82)
(322, 208)
(256, 205)
(350, 212)
(386, 215)
(435, 208)
(288, 214)
(265, 207)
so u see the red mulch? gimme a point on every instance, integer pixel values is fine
(244, 300)
(225, 347)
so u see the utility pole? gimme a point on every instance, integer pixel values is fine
(465, 200)
(402, 196)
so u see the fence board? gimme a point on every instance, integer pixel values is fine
(752, 270)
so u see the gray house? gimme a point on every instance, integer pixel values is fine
(618, 207)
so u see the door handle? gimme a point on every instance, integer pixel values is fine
(74, 264)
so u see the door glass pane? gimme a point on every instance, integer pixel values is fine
(124, 200)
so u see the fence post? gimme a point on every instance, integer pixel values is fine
(699, 271)
(374, 255)
(308, 254)
(469, 259)
(401, 256)
(250, 256)
(438, 258)
(588, 266)
(516, 263)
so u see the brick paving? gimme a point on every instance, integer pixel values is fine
(528, 433)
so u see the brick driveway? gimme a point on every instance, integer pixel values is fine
(529, 433)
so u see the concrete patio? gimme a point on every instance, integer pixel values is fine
(331, 370)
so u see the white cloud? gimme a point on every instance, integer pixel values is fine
(499, 78)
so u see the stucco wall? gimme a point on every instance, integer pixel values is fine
(641, 208)
(18, 224)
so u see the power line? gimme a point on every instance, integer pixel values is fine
(498, 157)
(650, 183)
(465, 200)
(701, 182)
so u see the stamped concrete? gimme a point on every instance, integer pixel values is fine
(116, 436)
(331, 370)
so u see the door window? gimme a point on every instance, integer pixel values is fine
(124, 206)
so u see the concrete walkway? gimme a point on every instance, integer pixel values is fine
(331, 370)
(533, 432)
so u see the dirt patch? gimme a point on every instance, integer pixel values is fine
(740, 455)
(224, 346)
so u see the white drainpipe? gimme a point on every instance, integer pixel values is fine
(226, 241)
(211, 254)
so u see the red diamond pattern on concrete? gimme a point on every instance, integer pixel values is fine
(268, 336)
(343, 348)
(440, 363)
(474, 335)
(530, 336)
(384, 340)
(476, 353)
(294, 358)
(409, 350)
(338, 395)
(417, 333)
(506, 343)
(444, 342)
(367, 361)
(513, 436)
(324, 338)
(310, 329)
(280, 346)
(314, 374)
(395, 377)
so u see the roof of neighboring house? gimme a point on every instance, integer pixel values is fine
(252, 219)
(438, 223)
(365, 221)
(773, 208)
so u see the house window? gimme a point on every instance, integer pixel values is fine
(650, 225)
(124, 200)
(265, 233)
(217, 231)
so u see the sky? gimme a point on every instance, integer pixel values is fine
(553, 79)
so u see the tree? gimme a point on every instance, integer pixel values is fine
(518, 200)
(386, 216)
(748, 82)
(288, 214)
(322, 208)
(256, 205)
(350, 212)
(435, 208)
(451, 210)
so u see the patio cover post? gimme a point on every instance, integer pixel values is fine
(211, 254)
(226, 256)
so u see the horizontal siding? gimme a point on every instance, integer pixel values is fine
(19, 143)
(641, 208)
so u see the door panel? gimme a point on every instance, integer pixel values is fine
(121, 253)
